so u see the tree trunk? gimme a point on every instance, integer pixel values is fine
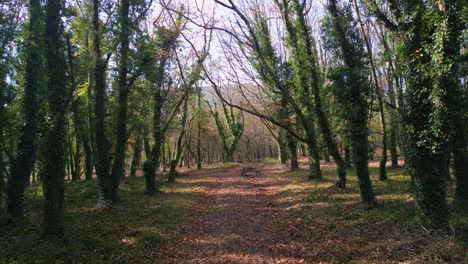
(355, 102)
(152, 164)
(314, 162)
(106, 192)
(457, 103)
(76, 175)
(199, 126)
(326, 155)
(88, 157)
(378, 92)
(135, 164)
(118, 168)
(23, 163)
(53, 185)
(292, 144)
(394, 120)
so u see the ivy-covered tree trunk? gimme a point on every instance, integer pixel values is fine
(292, 145)
(136, 157)
(322, 119)
(347, 155)
(451, 30)
(153, 162)
(353, 97)
(394, 120)
(53, 185)
(88, 157)
(77, 162)
(106, 189)
(2, 125)
(199, 127)
(89, 141)
(314, 160)
(178, 150)
(282, 145)
(26, 150)
(378, 92)
(230, 134)
(118, 168)
(427, 134)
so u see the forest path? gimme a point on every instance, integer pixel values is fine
(240, 220)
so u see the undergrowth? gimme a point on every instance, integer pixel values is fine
(345, 231)
(126, 233)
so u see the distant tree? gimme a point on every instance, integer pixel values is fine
(230, 130)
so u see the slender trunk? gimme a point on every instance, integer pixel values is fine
(152, 164)
(283, 144)
(118, 168)
(71, 156)
(199, 126)
(378, 92)
(165, 155)
(314, 161)
(249, 149)
(136, 157)
(147, 147)
(88, 157)
(326, 155)
(347, 154)
(77, 171)
(102, 145)
(292, 144)
(393, 119)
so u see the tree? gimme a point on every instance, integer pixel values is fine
(165, 43)
(107, 191)
(179, 146)
(34, 71)
(352, 91)
(199, 127)
(305, 62)
(378, 93)
(9, 22)
(53, 184)
(299, 103)
(448, 40)
(431, 86)
(229, 131)
(118, 167)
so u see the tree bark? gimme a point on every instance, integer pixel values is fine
(136, 158)
(292, 144)
(152, 164)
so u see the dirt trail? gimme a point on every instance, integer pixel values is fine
(241, 220)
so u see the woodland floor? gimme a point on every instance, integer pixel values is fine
(217, 216)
